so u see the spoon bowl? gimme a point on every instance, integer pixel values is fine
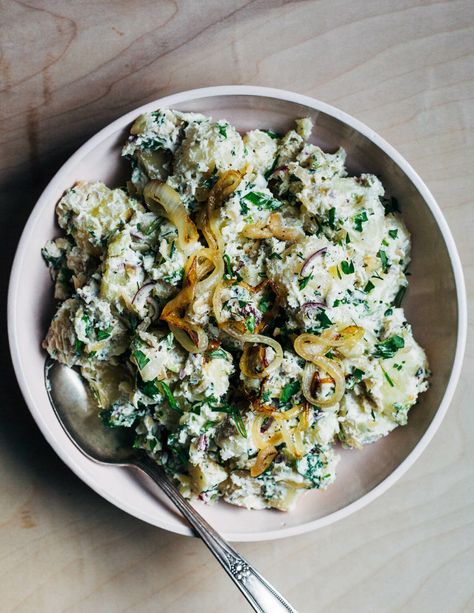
(77, 410)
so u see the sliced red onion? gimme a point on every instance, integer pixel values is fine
(249, 309)
(267, 424)
(202, 443)
(309, 306)
(144, 290)
(310, 261)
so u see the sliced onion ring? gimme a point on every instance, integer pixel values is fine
(214, 259)
(309, 262)
(289, 414)
(170, 202)
(227, 183)
(258, 440)
(309, 346)
(334, 370)
(264, 459)
(265, 340)
(189, 335)
(347, 336)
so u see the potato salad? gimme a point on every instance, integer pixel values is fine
(238, 306)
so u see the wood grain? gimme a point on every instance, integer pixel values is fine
(406, 68)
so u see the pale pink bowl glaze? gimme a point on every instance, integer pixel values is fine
(436, 277)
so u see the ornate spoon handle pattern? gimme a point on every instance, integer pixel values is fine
(263, 597)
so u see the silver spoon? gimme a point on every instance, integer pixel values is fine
(77, 413)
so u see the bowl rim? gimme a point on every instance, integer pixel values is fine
(288, 96)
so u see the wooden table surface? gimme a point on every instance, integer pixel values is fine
(406, 68)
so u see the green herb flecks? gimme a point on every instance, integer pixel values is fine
(250, 323)
(172, 249)
(168, 394)
(262, 201)
(103, 334)
(369, 287)
(387, 376)
(288, 391)
(269, 172)
(218, 354)
(384, 259)
(140, 359)
(389, 347)
(347, 267)
(303, 281)
(272, 134)
(322, 321)
(235, 415)
(360, 219)
(264, 304)
(332, 218)
(228, 267)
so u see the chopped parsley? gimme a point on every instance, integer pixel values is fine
(244, 209)
(218, 354)
(168, 394)
(332, 218)
(387, 376)
(269, 172)
(229, 273)
(288, 391)
(384, 259)
(355, 377)
(369, 287)
(359, 219)
(234, 413)
(88, 326)
(347, 267)
(222, 130)
(151, 227)
(264, 304)
(103, 334)
(389, 347)
(272, 134)
(262, 201)
(323, 322)
(148, 388)
(393, 233)
(250, 323)
(303, 282)
(140, 359)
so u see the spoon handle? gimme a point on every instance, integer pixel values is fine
(260, 594)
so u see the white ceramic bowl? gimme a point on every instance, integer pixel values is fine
(436, 281)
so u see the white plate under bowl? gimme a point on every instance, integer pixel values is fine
(436, 279)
